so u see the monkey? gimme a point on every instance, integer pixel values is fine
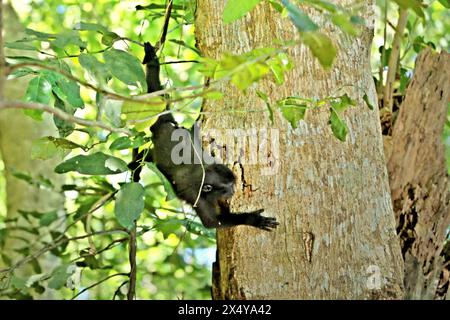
(207, 187)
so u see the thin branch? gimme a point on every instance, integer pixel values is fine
(383, 51)
(162, 38)
(388, 100)
(131, 40)
(179, 61)
(56, 244)
(99, 282)
(144, 99)
(118, 289)
(132, 258)
(111, 245)
(60, 114)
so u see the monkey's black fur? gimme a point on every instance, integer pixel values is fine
(216, 187)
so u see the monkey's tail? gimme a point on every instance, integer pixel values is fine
(152, 68)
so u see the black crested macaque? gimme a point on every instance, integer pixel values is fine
(206, 187)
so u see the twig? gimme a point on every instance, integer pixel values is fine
(99, 282)
(162, 38)
(179, 61)
(54, 245)
(118, 289)
(111, 245)
(132, 259)
(383, 51)
(60, 114)
(388, 100)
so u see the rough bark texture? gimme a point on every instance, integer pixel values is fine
(17, 132)
(418, 176)
(336, 238)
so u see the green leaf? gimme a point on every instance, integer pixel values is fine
(167, 185)
(39, 90)
(344, 22)
(235, 9)
(341, 103)
(213, 95)
(279, 65)
(139, 111)
(64, 127)
(94, 164)
(20, 46)
(47, 218)
(321, 47)
(44, 149)
(169, 226)
(18, 283)
(60, 276)
(277, 6)
(40, 35)
(65, 89)
(301, 20)
(125, 67)
(68, 38)
(96, 69)
(265, 98)
(122, 143)
(85, 26)
(419, 44)
(367, 101)
(445, 3)
(404, 80)
(338, 126)
(21, 72)
(109, 38)
(292, 112)
(129, 204)
(65, 144)
(244, 69)
(415, 5)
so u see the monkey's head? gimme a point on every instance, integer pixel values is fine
(219, 182)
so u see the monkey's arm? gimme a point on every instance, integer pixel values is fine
(218, 215)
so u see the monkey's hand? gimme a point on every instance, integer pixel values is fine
(257, 220)
(254, 219)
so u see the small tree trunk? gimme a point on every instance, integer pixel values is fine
(418, 177)
(336, 238)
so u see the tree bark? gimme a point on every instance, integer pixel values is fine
(336, 238)
(418, 177)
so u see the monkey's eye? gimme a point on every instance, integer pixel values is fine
(207, 188)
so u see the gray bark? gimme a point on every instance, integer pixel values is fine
(336, 238)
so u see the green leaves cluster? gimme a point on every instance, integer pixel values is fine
(243, 70)
(294, 109)
(320, 44)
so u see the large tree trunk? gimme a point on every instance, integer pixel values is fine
(17, 132)
(418, 177)
(336, 238)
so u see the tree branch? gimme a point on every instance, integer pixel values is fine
(54, 245)
(99, 282)
(388, 100)
(60, 114)
(132, 259)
